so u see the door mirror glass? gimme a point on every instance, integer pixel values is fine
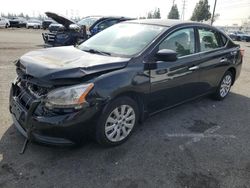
(166, 55)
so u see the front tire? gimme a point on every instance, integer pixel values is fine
(224, 86)
(117, 122)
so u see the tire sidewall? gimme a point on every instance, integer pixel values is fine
(100, 127)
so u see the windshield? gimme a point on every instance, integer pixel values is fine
(88, 21)
(126, 39)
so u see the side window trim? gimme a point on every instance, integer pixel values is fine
(197, 40)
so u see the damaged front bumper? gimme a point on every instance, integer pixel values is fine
(53, 129)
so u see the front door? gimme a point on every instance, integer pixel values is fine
(176, 81)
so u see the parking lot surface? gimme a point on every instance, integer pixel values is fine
(201, 144)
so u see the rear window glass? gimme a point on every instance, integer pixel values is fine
(209, 39)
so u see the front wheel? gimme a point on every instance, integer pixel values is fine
(224, 86)
(117, 122)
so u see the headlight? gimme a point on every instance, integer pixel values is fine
(68, 97)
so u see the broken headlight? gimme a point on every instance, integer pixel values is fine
(68, 97)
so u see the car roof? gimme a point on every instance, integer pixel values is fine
(166, 22)
(109, 17)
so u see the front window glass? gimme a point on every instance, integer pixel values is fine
(181, 41)
(125, 39)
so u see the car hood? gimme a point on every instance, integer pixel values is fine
(67, 62)
(60, 19)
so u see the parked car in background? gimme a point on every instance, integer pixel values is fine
(18, 22)
(4, 22)
(46, 23)
(55, 27)
(73, 33)
(239, 36)
(95, 24)
(118, 77)
(34, 23)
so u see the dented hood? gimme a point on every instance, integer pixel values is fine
(60, 19)
(67, 62)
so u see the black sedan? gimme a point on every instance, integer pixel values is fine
(119, 77)
(18, 22)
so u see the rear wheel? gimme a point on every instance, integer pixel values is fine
(117, 122)
(6, 26)
(224, 86)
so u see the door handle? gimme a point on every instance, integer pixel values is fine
(223, 60)
(194, 68)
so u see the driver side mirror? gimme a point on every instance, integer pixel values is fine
(166, 55)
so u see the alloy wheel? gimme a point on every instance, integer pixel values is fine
(120, 123)
(225, 85)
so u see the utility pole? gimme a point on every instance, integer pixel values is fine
(212, 20)
(183, 9)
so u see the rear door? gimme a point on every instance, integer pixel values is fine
(175, 82)
(215, 57)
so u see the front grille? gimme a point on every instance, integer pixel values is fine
(35, 90)
(49, 37)
(28, 90)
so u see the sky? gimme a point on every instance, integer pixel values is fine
(231, 11)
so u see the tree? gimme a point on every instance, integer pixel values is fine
(21, 15)
(174, 13)
(157, 13)
(201, 11)
(150, 16)
(154, 14)
(27, 16)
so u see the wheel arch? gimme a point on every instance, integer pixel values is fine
(138, 98)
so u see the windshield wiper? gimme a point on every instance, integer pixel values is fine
(93, 51)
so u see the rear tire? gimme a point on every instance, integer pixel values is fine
(117, 122)
(224, 87)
